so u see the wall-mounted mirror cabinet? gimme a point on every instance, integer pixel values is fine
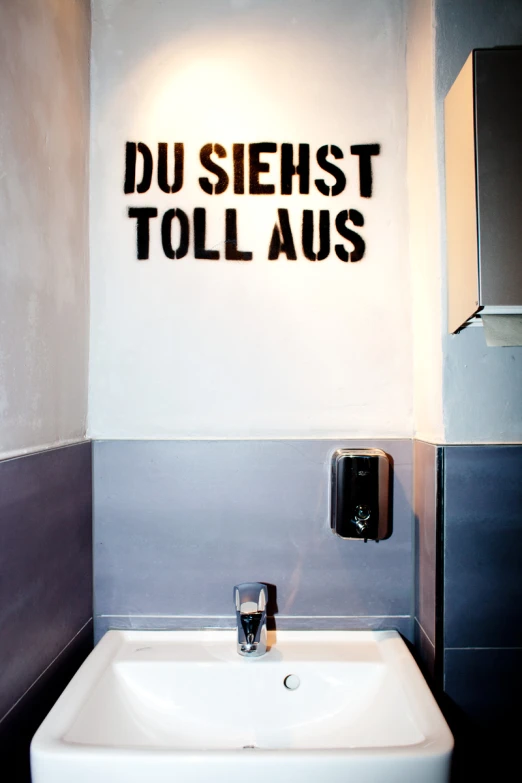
(483, 149)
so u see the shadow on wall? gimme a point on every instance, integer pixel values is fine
(271, 607)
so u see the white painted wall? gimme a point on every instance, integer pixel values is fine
(192, 348)
(424, 230)
(44, 127)
(482, 387)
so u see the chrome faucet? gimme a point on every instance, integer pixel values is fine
(251, 599)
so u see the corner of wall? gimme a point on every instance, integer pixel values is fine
(424, 210)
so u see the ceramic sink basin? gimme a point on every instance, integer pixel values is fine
(184, 706)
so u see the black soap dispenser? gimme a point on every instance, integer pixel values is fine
(360, 504)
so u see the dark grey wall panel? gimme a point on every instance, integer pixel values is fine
(487, 685)
(425, 467)
(45, 562)
(178, 523)
(18, 727)
(424, 651)
(483, 546)
(483, 691)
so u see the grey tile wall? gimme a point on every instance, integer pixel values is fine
(482, 606)
(483, 691)
(425, 652)
(21, 722)
(487, 685)
(178, 523)
(45, 565)
(426, 468)
(483, 546)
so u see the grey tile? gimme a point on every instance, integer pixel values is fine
(425, 461)
(483, 546)
(486, 686)
(424, 652)
(178, 523)
(19, 725)
(104, 623)
(45, 561)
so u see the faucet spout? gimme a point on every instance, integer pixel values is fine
(250, 599)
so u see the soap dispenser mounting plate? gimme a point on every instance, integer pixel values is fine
(360, 503)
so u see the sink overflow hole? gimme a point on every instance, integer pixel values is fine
(292, 682)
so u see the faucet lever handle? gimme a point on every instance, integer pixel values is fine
(250, 597)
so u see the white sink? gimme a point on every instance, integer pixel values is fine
(184, 706)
